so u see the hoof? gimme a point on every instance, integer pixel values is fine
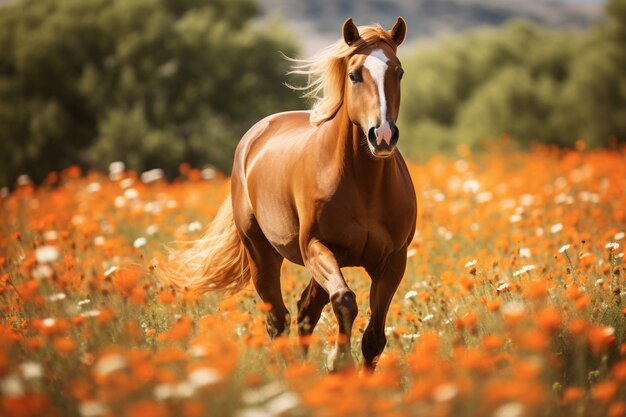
(340, 359)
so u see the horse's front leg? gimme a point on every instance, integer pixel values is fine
(385, 281)
(326, 272)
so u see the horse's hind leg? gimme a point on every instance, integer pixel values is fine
(310, 307)
(265, 265)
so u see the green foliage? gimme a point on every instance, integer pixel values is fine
(150, 82)
(530, 83)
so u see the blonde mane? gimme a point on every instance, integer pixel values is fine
(326, 72)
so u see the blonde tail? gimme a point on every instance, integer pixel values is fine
(217, 261)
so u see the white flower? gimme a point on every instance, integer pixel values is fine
(515, 218)
(184, 389)
(57, 296)
(194, 226)
(139, 242)
(110, 271)
(23, 180)
(526, 199)
(204, 376)
(31, 370)
(48, 322)
(152, 229)
(483, 197)
(208, 173)
(444, 233)
(503, 286)
(131, 194)
(42, 271)
(510, 409)
(470, 263)
(445, 392)
(612, 246)
(46, 254)
(525, 268)
(163, 392)
(11, 386)
(524, 252)
(556, 228)
(116, 167)
(94, 187)
(619, 236)
(197, 351)
(471, 186)
(83, 302)
(51, 235)
(513, 307)
(410, 294)
(152, 175)
(126, 183)
(90, 313)
(427, 317)
(254, 412)
(110, 363)
(282, 403)
(92, 409)
(410, 253)
(564, 248)
(263, 393)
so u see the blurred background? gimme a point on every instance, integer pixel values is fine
(154, 83)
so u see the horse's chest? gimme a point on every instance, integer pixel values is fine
(367, 234)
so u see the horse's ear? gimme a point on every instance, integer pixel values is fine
(350, 32)
(398, 32)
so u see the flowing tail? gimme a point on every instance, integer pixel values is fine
(217, 261)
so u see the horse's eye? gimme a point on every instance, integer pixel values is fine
(400, 73)
(355, 76)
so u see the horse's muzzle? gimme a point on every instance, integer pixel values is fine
(380, 143)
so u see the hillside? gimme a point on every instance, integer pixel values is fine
(318, 20)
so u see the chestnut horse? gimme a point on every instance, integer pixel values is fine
(325, 189)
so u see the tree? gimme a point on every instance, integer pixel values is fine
(530, 83)
(152, 82)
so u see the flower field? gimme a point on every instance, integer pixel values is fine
(513, 303)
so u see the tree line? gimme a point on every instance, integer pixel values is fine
(529, 83)
(148, 82)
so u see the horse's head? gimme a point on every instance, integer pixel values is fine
(372, 91)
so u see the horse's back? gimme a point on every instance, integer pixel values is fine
(265, 161)
(273, 134)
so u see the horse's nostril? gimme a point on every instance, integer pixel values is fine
(395, 135)
(371, 135)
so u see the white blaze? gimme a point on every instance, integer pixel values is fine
(376, 64)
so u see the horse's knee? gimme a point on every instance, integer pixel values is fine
(345, 307)
(372, 346)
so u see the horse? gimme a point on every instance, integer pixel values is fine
(326, 189)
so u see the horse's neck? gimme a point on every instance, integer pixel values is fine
(353, 155)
